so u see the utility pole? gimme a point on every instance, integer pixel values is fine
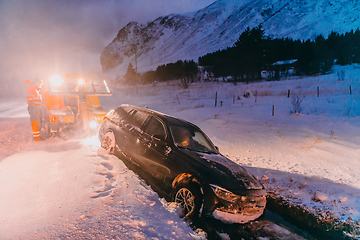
(136, 75)
(135, 46)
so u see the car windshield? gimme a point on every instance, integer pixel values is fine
(191, 138)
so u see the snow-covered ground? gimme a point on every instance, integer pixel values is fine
(75, 190)
(72, 188)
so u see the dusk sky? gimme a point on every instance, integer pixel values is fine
(39, 38)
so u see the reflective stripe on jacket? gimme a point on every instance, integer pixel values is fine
(33, 96)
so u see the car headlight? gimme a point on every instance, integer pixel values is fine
(224, 194)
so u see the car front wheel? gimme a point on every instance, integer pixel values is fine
(189, 198)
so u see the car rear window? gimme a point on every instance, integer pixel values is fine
(113, 116)
(121, 112)
(138, 118)
(126, 108)
(117, 114)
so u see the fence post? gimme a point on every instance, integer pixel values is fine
(273, 110)
(177, 98)
(350, 89)
(318, 91)
(234, 99)
(289, 93)
(255, 95)
(215, 99)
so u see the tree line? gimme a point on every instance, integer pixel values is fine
(254, 52)
(186, 71)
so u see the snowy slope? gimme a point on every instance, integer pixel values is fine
(218, 26)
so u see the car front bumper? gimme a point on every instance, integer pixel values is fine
(243, 210)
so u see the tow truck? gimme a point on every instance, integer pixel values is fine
(72, 103)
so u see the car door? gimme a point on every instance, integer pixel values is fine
(155, 150)
(117, 119)
(132, 134)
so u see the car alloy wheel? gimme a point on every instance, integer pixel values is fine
(108, 142)
(189, 199)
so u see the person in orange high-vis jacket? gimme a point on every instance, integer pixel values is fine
(34, 105)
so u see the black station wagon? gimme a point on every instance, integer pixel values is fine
(181, 163)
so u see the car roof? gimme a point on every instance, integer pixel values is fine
(167, 118)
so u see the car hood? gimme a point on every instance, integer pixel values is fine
(228, 172)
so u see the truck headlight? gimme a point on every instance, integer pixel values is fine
(224, 194)
(81, 81)
(56, 81)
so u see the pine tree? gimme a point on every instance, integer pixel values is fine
(252, 45)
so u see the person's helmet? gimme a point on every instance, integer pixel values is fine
(27, 82)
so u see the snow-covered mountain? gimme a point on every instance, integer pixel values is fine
(218, 26)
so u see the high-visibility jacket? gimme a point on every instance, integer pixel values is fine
(33, 96)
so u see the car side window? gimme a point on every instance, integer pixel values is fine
(155, 129)
(138, 118)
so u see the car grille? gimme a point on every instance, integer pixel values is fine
(245, 204)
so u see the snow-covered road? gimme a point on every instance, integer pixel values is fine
(74, 189)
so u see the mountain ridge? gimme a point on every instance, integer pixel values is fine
(218, 26)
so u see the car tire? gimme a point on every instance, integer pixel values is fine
(188, 196)
(108, 142)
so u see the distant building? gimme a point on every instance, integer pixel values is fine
(283, 68)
